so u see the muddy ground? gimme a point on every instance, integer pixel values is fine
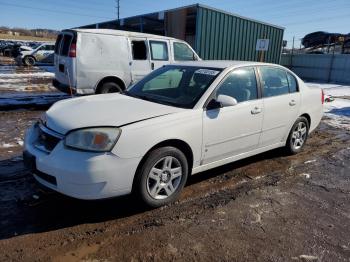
(270, 207)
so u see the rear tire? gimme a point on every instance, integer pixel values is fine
(29, 61)
(110, 87)
(297, 136)
(161, 177)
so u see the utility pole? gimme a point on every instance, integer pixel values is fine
(118, 8)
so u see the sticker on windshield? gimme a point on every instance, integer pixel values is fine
(207, 72)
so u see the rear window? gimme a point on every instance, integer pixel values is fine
(57, 44)
(66, 43)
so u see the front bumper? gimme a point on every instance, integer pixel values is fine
(78, 174)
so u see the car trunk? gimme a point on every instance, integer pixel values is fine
(65, 58)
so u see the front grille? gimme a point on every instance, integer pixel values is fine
(47, 139)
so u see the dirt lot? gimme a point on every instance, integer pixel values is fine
(270, 207)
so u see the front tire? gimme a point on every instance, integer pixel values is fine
(162, 177)
(297, 136)
(29, 61)
(110, 87)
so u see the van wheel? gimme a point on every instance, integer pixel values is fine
(110, 87)
(297, 136)
(162, 177)
(29, 61)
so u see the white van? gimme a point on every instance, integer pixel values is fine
(94, 61)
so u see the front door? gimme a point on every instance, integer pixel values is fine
(233, 130)
(140, 59)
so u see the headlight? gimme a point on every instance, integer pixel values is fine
(99, 139)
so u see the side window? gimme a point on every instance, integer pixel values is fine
(240, 84)
(58, 43)
(274, 81)
(159, 50)
(66, 43)
(41, 48)
(51, 47)
(139, 50)
(293, 86)
(182, 52)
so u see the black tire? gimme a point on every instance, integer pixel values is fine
(29, 61)
(292, 146)
(142, 187)
(110, 87)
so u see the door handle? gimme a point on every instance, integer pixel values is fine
(292, 103)
(256, 110)
(152, 66)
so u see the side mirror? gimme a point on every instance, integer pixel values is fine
(226, 100)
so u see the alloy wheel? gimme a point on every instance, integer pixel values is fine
(299, 135)
(164, 178)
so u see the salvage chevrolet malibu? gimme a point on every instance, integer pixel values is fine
(180, 120)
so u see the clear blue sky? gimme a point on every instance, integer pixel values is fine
(299, 17)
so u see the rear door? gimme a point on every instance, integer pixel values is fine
(281, 104)
(65, 62)
(159, 51)
(139, 59)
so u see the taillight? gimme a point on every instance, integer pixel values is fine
(73, 50)
(322, 96)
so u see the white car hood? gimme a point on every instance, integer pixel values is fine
(102, 110)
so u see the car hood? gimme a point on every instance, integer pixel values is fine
(102, 110)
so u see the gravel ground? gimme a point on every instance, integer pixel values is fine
(270, 207)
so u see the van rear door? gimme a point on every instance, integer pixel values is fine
(65, 58)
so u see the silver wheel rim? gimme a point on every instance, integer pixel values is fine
(164, 178)
(299, 135)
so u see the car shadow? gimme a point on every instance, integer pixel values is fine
(28, 208)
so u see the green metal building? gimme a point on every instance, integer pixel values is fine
(213, 33)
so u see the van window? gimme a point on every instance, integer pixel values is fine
(58, 43)
(182, 52)
(274, 81)
(66, 43)
(139, 50)
(159, 50)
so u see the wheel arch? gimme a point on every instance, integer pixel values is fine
(177, 143)
(308, 117)
(107, 79)
(32, 56)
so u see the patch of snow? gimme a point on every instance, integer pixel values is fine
(7, 145)
(337, 111)
(19, 141)
(333, 89)
(307, 176)
(309, 161)
(34, 74)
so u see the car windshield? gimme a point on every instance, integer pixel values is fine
(180, 86)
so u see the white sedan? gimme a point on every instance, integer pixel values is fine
(178, 121)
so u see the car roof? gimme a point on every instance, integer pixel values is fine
(222, 64)
(120, 33)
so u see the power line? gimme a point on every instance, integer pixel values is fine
(53, 11)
